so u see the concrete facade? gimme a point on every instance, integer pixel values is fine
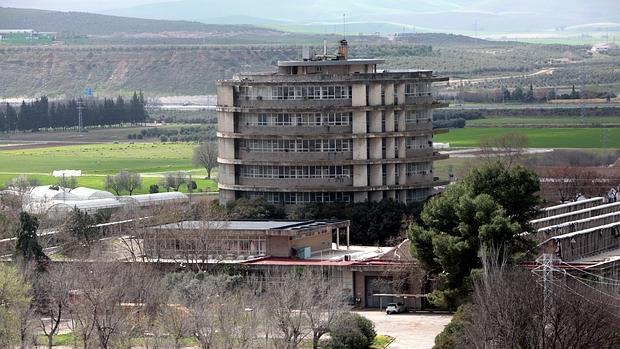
(327, 129)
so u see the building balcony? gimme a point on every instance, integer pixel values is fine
(315, 104)
(294, 183)
(292, 130)
(290, 156)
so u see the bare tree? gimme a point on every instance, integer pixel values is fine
(124, 180)
(507, 148)
(56, 286)
(205, 155)
(67, 182)
(509, 311)
(301, 303)
(174, 180)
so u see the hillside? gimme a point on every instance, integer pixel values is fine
(80, 23)
(193, 69)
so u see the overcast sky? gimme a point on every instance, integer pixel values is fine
(75, 5)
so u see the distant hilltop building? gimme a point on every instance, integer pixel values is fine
(327, 129)
(604, 48)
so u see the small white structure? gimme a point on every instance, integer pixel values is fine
(67, 173)
(91, 194)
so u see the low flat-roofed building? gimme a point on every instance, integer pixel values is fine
(239, 240)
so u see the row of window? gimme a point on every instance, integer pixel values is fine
(417, 89)
(419, 142)
(297, 119)
(295, 92)
(412, 117)
(295, 198)
(297, 172)
(227, 245)
(295, 145)
(419, 168)
(417, 195)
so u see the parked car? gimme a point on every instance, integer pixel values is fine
(395, 308)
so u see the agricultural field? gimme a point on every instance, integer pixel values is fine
(571, 121)
(537, 137)
(98, 160)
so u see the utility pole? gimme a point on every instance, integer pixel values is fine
(545, 271)
(80, 107)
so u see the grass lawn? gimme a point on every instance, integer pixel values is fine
(574, 121)
(538, 137)
(98, 160)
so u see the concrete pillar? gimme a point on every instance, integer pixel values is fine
(390, 174)
(360, 149)
(374, 121)
(389, 94)
(359, 122)
(359, 197)
(360, 176)
(389, 121)
(226, 148)
(348, 242)
(403, 196)
(376, 196)
(225, 96)
(401, 93)
(376, 175)
(226, 196)
(227, 174)
(375, 148)
(225, 122)
(402, 147)
(401, 120)
(374, 94)
(337, 238)
(391, 194)
(390, 147)
(359, 95)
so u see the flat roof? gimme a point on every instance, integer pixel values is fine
(310, 63)
(251, 225)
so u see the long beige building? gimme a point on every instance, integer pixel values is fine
(327, 129)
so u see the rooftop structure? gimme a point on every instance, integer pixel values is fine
(327, 129)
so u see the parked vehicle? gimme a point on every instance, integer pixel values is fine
(395, 308)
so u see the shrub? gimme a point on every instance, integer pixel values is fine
(352, 331)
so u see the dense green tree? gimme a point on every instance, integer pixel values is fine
(254, 209)
(489, 207)
(80, 226)
(518, 95)
(27, 247)
(514, 188)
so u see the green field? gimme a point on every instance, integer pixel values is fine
(516, 121)
(538, 137)
(98, 160)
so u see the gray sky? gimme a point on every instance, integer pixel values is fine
(75, 5)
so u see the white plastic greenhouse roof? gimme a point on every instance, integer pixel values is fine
(44, 193)
(146, 199)
(84, 205)
(89, 194)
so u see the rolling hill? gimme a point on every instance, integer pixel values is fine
(81, 23)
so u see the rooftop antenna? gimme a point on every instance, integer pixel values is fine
(344, 26)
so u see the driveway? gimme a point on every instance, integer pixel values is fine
(411, 330)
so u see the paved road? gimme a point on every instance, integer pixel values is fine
(412, 330)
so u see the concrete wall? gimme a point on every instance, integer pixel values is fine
(316, 243)
(279, 246)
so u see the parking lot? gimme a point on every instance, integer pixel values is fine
(411, 330)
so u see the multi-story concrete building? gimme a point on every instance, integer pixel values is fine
(327, 128)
